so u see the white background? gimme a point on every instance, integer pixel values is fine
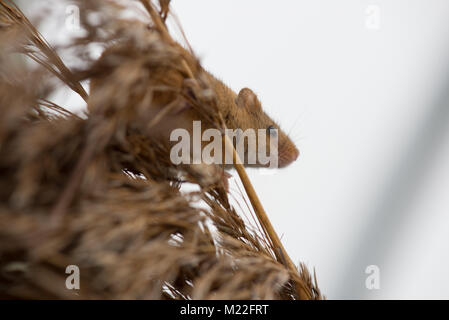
(363, 86)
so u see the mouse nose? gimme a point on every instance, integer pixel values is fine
(288, 157)
(295, 154)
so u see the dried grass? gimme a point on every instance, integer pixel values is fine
(98, 192)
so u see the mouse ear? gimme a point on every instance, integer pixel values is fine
(247, 99)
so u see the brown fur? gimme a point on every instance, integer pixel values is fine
(241, 110)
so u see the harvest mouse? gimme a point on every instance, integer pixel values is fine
(244, 111)
(239, 111)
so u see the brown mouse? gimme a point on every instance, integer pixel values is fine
(239, 111)
(244, 111)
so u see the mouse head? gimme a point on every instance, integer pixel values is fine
(248, 104)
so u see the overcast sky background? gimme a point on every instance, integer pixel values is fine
(363, 86)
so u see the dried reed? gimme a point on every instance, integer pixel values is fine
(98, 192)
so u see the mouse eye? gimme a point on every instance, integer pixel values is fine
(272, 131)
